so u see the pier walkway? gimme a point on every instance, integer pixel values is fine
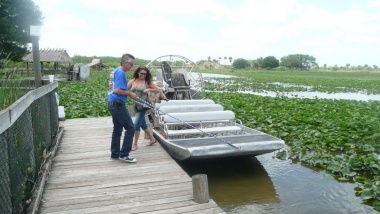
(83, 178)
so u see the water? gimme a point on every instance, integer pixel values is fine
(318, 95)
(360, 96)
(264, 184)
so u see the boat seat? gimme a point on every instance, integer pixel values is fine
(189, 108)
(183, 102)
(198, 116)
(222, 122)
(204, 130)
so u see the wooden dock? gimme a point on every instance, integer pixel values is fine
(84, 179)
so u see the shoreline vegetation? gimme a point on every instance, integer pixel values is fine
(339, 136)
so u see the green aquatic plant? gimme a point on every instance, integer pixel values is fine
(339, 136)
(86, 99)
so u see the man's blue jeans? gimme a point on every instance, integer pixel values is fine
(121, 119)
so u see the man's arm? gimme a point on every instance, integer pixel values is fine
(125, 93)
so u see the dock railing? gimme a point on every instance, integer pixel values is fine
(27, 130)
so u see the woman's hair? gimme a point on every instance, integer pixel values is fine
(148, 77)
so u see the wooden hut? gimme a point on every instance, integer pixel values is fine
(56, 56)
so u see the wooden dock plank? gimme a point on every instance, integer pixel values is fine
(84, 179)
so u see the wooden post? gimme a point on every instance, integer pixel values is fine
(200, 188)
(35, 34)
(36, 62)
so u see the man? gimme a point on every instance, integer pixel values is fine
(117, 96)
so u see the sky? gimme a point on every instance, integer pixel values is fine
(335, 32)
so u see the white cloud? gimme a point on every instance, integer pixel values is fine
(201, 28)
(163, 7)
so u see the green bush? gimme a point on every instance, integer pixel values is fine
(241, 64)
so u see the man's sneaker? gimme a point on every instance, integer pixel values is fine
(128, 159)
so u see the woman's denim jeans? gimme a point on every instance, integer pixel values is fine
(121, 119)
(140, 121)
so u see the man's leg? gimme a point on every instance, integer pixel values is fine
(126, 120)
(116, 133)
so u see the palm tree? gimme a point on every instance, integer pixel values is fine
(209, 58)
(219, 59)
(230, 58)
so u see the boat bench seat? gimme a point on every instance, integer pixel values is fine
(204, 130)
(188, 108)
(201, 122)
(183, 102)
(198, 117)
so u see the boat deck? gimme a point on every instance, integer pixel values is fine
(83, 179)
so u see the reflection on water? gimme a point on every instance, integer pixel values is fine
(317, 94)
(304, 190)
(288, 85)
(263, 184)
(235, 183)
(206, 75)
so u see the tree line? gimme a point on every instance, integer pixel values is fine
(291, 61)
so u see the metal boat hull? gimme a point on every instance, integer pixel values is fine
(251, 143)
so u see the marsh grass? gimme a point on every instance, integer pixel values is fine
(10, 92)
(323, 81)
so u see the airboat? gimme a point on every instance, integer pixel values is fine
(189, 126)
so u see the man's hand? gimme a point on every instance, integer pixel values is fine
(133, 96)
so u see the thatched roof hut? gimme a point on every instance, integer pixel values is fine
(51, 55)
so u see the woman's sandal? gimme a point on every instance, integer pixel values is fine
(134, 148)
(151, 143)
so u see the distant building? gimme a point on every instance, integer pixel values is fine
(96, 64)
(56, 56)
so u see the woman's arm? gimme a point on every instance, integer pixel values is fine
(152, 88)
(129, 85)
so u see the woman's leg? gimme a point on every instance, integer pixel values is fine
(134, 145)
(144, 126)
(151, 137)
(139, 123)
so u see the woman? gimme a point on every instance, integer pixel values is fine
(141, 85)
